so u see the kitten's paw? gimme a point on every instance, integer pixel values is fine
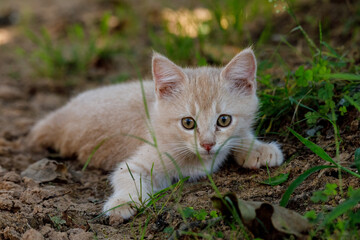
(118, 209)
(264, 154)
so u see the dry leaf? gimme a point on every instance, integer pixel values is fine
(45, 170)
(264, 220)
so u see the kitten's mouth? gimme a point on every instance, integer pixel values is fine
(207, 154)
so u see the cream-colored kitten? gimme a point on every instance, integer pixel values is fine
(205, 109)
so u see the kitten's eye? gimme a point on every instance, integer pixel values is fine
(188, 123)
(224, 120)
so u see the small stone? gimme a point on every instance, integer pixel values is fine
(12, 177)
(32, 234)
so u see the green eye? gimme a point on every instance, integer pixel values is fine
(224, 120)
(188, 123)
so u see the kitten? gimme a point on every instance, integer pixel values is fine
(206, 109)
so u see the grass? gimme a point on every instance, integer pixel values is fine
(78, 51)
(319, 92)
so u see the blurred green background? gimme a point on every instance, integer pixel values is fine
(300, 45)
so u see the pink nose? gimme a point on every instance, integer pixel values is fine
(207, 146)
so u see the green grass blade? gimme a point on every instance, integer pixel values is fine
(178, 169)
(332, 50)
(92, 153)
(130, 172)
(352, 102)
(342, 208)
(277, 180)
(285, 198)
(357, 159)
(342, 76)
(181, 181)
(140, 139)
(313, 147)
(321, 153)
(103, 213)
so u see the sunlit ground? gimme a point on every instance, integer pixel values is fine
(5, 36)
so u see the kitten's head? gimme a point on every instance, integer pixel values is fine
(204, 109)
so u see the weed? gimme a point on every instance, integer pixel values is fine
(75, 53)
(277, 180)
(323, 196)
(341, 221)
(57, 221)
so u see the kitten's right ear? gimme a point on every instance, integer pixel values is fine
(167, 76)
(241, 72)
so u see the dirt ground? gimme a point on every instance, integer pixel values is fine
(65, 207)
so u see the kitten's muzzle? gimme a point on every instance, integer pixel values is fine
(207, 146)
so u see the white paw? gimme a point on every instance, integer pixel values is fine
(118, 209)
(264, 154)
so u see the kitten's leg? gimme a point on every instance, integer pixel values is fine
(259, 154)
(135, 187)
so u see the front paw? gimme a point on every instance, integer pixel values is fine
(264, 154)
(118, 209)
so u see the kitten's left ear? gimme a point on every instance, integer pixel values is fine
(167, 75)
(241, 72)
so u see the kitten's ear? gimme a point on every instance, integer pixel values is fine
(167, 76)
(241, 72)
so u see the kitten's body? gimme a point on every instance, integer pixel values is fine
(104, 114)
(116, 112)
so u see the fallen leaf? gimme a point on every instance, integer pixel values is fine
(45, 170)
(264, 220)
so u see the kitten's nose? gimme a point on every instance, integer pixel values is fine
(207, 146)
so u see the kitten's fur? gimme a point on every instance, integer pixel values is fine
(114, 113)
